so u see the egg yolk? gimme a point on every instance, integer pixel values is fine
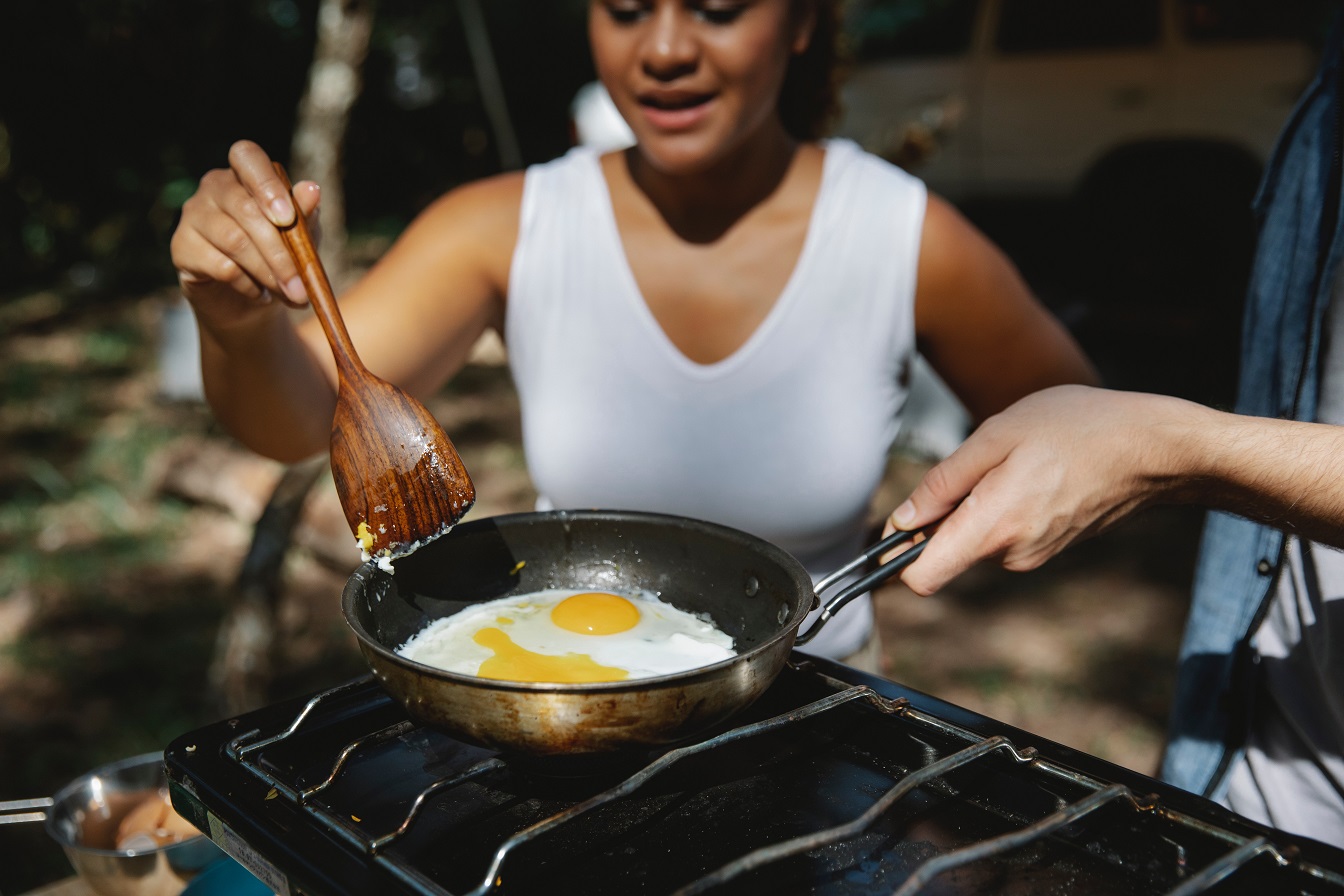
(514, 663)
(595, 613)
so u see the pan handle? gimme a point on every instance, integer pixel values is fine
(20, 811)
(866, 583)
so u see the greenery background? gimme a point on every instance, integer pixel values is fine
(112, 109)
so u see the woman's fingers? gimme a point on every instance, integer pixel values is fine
(256, 172)
(248, 236)
(201, 262)
(223, 295)
(233, 220)
(308, 194)
(230, 257)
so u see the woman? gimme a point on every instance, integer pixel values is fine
(717, 322)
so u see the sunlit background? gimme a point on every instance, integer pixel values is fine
(1112, 148)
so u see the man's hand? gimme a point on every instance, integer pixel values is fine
(1057, 466)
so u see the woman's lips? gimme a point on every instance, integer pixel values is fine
(675, 112)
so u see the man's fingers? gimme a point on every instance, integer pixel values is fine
(946, 484)
(962, 540)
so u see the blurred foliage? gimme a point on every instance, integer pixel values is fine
(112, 109)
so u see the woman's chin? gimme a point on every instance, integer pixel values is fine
(683, 156)
(694, 153)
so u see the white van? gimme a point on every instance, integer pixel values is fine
(1112, 147)
(1003, 98)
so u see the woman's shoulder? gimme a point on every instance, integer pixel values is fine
(487, 212)
(487, 208)
(843, 154)
(861, 187)
(474, 225)
(575, 173)
(492, 193)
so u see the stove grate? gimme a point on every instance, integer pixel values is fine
(248, 749)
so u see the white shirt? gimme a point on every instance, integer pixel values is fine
(787, 438)
(1291, 772)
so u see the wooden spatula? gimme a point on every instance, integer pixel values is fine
(398, 476)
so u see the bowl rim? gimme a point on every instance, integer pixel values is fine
(106, 770)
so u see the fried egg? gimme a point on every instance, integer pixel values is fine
(569, 637)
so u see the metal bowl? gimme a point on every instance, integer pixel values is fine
(84, 817)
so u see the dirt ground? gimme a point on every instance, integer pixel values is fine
(125, 517)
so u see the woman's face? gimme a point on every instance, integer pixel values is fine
(696, 79)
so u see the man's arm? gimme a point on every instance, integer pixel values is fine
(1069, 462)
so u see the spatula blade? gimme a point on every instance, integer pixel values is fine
(424, 489)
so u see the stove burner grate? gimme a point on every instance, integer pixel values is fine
(1203, 852)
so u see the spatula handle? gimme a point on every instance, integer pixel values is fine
(299, 241)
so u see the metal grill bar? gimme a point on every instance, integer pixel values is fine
(304, 713)
(1046, 766)
(391, 732)
(334, 823)
(774, 853)
(1226, 865)
(338, 826)
(996, 845)
(240, 752)
(475, 771)
(634, 782)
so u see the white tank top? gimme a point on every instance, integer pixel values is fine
(787, 438)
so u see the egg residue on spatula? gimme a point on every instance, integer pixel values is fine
(569, 637)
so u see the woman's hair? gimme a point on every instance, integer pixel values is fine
(809, 101)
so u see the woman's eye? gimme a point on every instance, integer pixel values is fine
(626, 13)
(721, 15)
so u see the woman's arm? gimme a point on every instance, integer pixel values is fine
(1069, 462)
(978, 323)
(413, 318)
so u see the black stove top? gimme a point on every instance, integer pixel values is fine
(833, 783)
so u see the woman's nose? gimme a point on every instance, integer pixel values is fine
(670, 49)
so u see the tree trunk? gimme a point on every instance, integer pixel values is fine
(246, 648)
(490, 84)
(334, 83)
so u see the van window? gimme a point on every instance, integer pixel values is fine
(884, 29)
(1050, 26)
(1210, 21)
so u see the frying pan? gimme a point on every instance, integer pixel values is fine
(753, 590)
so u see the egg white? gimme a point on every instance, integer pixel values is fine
(665, 640)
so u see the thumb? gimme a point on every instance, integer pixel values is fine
(307, 194)
(944, 486)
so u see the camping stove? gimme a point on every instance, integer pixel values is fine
(834, 782)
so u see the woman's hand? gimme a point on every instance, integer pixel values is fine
(230, 258)
(1057, 466)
